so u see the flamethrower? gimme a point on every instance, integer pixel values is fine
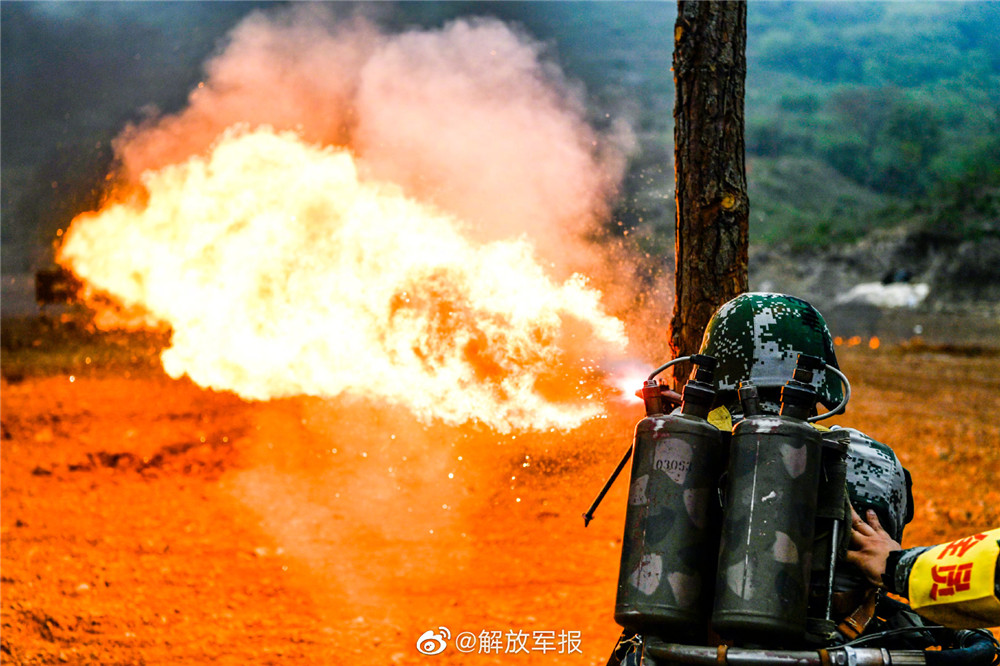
(733, 534)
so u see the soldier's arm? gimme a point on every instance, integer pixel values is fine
(955, 584)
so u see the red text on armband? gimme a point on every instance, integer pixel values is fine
(950, 579)
(960, 547)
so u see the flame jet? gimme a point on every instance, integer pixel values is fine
(281, 272)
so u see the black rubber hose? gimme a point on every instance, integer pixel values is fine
(979, 648)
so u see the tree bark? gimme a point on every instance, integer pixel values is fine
(710, 247)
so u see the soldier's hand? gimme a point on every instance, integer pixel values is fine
(870, 546)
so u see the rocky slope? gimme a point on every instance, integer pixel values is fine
(897, 283)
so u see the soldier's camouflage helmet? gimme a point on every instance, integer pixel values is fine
(759, 336)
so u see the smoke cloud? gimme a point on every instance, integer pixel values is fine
(470, 118)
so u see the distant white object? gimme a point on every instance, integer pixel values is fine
(895, 295)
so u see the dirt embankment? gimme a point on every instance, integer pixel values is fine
(960, 274)
(895, 284)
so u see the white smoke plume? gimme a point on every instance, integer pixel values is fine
(470, 118)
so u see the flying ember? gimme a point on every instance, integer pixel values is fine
(282, 272)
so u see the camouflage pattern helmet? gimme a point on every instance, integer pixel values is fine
(758, 337)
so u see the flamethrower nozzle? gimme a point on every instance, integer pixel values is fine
(654, 395)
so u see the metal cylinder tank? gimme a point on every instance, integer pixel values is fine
(767, 533)
(769, 516)
(669, 549)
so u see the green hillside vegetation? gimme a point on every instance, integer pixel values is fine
(806, 201)
(899, 99)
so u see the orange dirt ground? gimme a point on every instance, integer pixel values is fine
(148, 521)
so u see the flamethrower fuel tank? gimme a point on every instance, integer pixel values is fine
(670, 547)
(768, 527)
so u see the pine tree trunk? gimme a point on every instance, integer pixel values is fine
(710, 248)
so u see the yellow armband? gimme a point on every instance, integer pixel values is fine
(954, 583)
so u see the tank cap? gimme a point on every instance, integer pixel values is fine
(696, 392)
(699, 393)
(704, 361)
(749, 399)
(798, 397)
(704, 368)
(805, 366)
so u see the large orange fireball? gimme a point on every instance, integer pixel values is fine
(282, 273)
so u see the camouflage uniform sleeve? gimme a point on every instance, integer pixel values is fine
(956, 584)
(898, 568)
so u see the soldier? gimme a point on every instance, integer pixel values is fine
(758, 337)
